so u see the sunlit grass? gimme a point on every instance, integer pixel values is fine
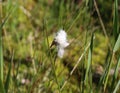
(33, 67)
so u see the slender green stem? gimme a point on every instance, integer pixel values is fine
(1, 49)
(52, 61)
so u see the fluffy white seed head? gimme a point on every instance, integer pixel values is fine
(60, 40)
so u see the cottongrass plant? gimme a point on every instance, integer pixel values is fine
(60, 40)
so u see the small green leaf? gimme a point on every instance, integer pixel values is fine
(117, 44)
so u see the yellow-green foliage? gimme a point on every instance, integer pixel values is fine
(29, 32)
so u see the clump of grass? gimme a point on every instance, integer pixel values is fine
(4, 88)
(73, 73)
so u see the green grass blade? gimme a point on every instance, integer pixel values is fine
(87, 1)
(1, 57)
(116, 47)
(117, 68)
(1, 49)
(75, 20)
(89, 57)
(2, 24)
(107, 72)
(115, 74)
(106, 67)
(102, 78)
(115, 20)
(1, 87)
(117, 44)
(52, 59)
(61, 10)
(117, 87)
(88, 69)
(8, 75)
(8, 79)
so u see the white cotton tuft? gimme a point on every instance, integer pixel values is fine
(61, 39)
(60, 52)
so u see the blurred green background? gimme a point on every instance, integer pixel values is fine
(29, 31)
